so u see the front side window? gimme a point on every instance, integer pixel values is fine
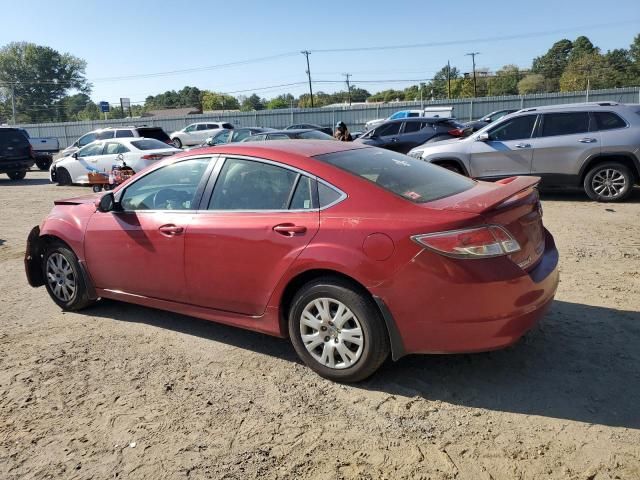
(240, 135)
(396, 115)
(86, 139)
(608, 121)
(278, 136)
(202, 126)
(190, 128)
(255, 138)
(91, 150)
(565, 123)
(250, 185)
(389, 129)
(172, 187)
(222, 138)
(412, 179)
(515, 129)
(105, 135)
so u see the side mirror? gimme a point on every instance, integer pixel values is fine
(75, 155)
(483, 137)
(106, 203)
(486, 119)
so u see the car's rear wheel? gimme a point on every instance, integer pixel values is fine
(177, 142)
(44, 162)
(19, 175)
(63, 177)
(337, 330)
(609, 182)
(63, 277)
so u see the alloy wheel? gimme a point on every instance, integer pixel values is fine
(331, 333)
(61, 277)
(608, 183)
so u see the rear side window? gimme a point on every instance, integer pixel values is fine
(413, 114)
(278, 136)
(327, 195)
(106, 135)
(124, 133)
(203, 126)
(565, 123)
(154, 132)
(149, 144)
(514, 129)
(414, 180)
(249, 185)
(411, 127)
(608, 121)
(302, 197)
(227, 125)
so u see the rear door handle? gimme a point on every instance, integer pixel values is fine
(171, 230)
(289, 229)
(523, 145)
(587, 140)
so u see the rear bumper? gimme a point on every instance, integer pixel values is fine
(16, 165)
(439, 308)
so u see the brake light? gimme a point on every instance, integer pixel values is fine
(456, 132)
(478, 242)
(152, 156)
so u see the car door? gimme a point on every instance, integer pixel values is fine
(412, 135)
(105, 162)
(507, 151)
(86, 161)
(259, 218)
(190, 134)
(388, 136)
(564, 143)
(139, 250)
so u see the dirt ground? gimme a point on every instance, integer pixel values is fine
(121, 391)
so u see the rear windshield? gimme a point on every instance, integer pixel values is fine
(157, 133)
(412, 179)
(12, 136)
(315, 135)
(149, 144)
(227, 125)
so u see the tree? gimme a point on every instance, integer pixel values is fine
(439, 84)
(252, 102)
(581, 46)
(74, 104)
(589, 70)
(619, 68)
(39, 77)
(505, 81)
(533, 83)
(551, 65)
(281, 101)
(634, 53)
(219, 101)
(187, 97)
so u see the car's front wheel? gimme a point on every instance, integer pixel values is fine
(337, 330)
(62, 176)
(63, 277)
(609, 182)
(19, 175)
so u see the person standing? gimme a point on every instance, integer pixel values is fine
(342, 133)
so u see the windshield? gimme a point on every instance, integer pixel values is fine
(412, 179)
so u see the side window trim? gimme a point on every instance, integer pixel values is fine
(213, 159)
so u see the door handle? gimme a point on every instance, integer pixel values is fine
(523, 145)
(171, 230)
(394, 139)
(289, 229)
(587, 140)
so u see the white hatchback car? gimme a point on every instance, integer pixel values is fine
(197, 133)
(101, 155)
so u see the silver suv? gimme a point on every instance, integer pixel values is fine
(595, 146)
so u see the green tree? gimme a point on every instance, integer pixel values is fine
(439, 83)
(551, 65)
(533, 83)
(74, 104)
(581, 46)
(186, 97)
(219, 101)
(505, 81)
(40, 77)
(620, 68)
(590, 69)
(281, 101)
(253, 102)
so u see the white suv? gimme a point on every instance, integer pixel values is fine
(116, 132)
(197, 133)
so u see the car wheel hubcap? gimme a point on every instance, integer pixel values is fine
(60, 277)
(608, 183)
(331, 333)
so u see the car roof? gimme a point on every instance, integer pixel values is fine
(420, 119)
(292, 131)
(304, 148)
(574, 106)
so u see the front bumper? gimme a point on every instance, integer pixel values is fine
(440, 306)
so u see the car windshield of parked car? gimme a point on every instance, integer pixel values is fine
(412, 179)
(149, 144)
(315, 135)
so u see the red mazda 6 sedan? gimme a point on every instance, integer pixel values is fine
(353, 252)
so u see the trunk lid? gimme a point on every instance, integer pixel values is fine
(512, 203)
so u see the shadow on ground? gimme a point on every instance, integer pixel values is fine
(576, 195)
(6, 182)
(582, 363)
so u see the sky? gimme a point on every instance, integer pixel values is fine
(138, 48)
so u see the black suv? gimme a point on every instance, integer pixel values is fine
(16, 155)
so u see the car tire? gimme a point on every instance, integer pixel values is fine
(325, 348)
(43, 163)
(63, 277)
(19, 175)
(62, 177)
(176, 142)
(609, 182)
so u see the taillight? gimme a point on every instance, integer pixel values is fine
(478, 242)
(152, 156)
(456, 132)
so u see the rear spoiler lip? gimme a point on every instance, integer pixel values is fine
(494, 194)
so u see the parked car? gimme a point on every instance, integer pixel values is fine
(593, 146)
(43, 149)
(311, 126)
(219, 136)
(435, 112)
(235, 135)
(476, 125)
(350, 251)
(16, 153)
(117, 132)
(302, 134)
(197, 133)
(101, 155)
(403, 135)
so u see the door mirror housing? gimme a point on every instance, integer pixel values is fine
(75, 155)
(107, 203)
(483, 137)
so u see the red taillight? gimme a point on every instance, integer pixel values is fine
(456, 132)
(152, 156)
(478, 242)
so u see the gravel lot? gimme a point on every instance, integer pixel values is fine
(121, 391)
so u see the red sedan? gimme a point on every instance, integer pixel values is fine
(352, 252)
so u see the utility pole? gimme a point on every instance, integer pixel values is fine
(448, 79)
(13, 102)
(473, 59)
(306, 53)
(347, 76)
